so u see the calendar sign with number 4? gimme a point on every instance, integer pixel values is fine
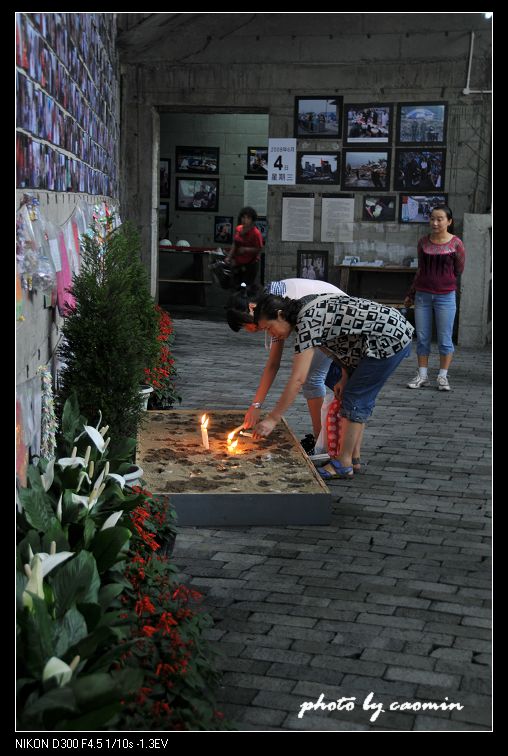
(282, 161)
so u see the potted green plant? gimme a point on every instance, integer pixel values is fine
(110, 335)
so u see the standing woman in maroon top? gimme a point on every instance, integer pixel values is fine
(247, 245)
(440, 262)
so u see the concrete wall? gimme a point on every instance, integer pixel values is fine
(475, 326)
(240, 63)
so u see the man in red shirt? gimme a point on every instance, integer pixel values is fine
(247, 245)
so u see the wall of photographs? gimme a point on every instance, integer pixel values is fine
(67, 102)
(379, 154)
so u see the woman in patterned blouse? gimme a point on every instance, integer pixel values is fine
(440, 262)
(368, 339)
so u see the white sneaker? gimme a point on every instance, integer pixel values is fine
(418, 382)
(442, 383)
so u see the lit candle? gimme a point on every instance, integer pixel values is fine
(204, 431)
(232, 444)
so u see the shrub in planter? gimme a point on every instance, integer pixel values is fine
(110, 336)
(163, 376)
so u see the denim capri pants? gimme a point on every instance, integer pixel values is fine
(366, 382)
(444, 307)
(314, 385)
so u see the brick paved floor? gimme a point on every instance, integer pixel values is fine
(393, 598)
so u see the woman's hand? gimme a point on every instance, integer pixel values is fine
(251, 417)
(339, 387)
(264, 428)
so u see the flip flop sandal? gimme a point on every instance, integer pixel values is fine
(334, 469)
(357, 464)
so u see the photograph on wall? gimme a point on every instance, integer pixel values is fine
(416, 208)
(262, 224)
(317, 167)
(422, 123)
(420, 170)
(362, 169)
(197, 194)
(163, 219)
(379, 208)
(165, 176)
(197, 159)
(312, 264)
(318, 117)
(257, 161)
(367, 124)
(223, 229)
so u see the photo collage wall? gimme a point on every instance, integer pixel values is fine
(67, 103)
(368, 132)
(197, 186)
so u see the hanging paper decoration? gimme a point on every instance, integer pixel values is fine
(65, 299)
(333, 428)
(21, 448)
(19, 296)
(48, 421)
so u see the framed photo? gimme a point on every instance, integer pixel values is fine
(317, 168)
(367, 124)
(419, 170)
(366, 169)
(197, 159)
(197, 194)
(257, 161)
(422, 123)
(163, 217)
(164, 177)
(262, 224)
(318, 117)
(416, 208)
(223, 229)
(312, 264)
(379, 208)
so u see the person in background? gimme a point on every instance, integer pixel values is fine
(368, 339)
(441, 258)
(247, 245)
(239, 316)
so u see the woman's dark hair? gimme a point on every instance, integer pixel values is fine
(238, 314)
(269, 306)
(446, 210)
(247, 211)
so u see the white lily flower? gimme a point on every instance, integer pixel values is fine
(47, 477)
(95, 436)
(50, 561)
(55, 667)
(30, 553)
(59, 508)
(104, 430)
(34, 584)
(119, 479)
(112, 520)
(71, 462)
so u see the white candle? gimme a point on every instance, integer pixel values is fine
(204, 431)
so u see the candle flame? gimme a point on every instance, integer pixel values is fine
(232, 445)
(204, 421)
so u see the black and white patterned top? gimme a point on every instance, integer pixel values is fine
(349, 329)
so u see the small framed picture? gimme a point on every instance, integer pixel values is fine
(318, 117)
(379, 208)
(317, 168)
(197, 159)
(312, 264)
(223, 229)
(197, 194)
(416, 208)
(262, 224)
(165, 177)
(419, 170)
(367, 124)
(257, 161)
(422, 123)
(366, 169)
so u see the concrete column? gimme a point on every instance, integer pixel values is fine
(475, 317)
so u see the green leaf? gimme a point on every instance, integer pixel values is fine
(108, 593)
(92, 614)
(35, 643)
(55, 533)
(88, 532)
(93, 720)
(70, 419)
(107, 544)
(50, 706)
(122, 449)
(95, 690)
(37, 508)
(69, 631)
(34, 477)
(87, 647)
(76, 580)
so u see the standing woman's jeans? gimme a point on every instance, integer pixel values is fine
(444, 307)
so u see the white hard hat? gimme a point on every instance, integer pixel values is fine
(165, 243)
(182, 243)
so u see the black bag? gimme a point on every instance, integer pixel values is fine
(222, 274)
